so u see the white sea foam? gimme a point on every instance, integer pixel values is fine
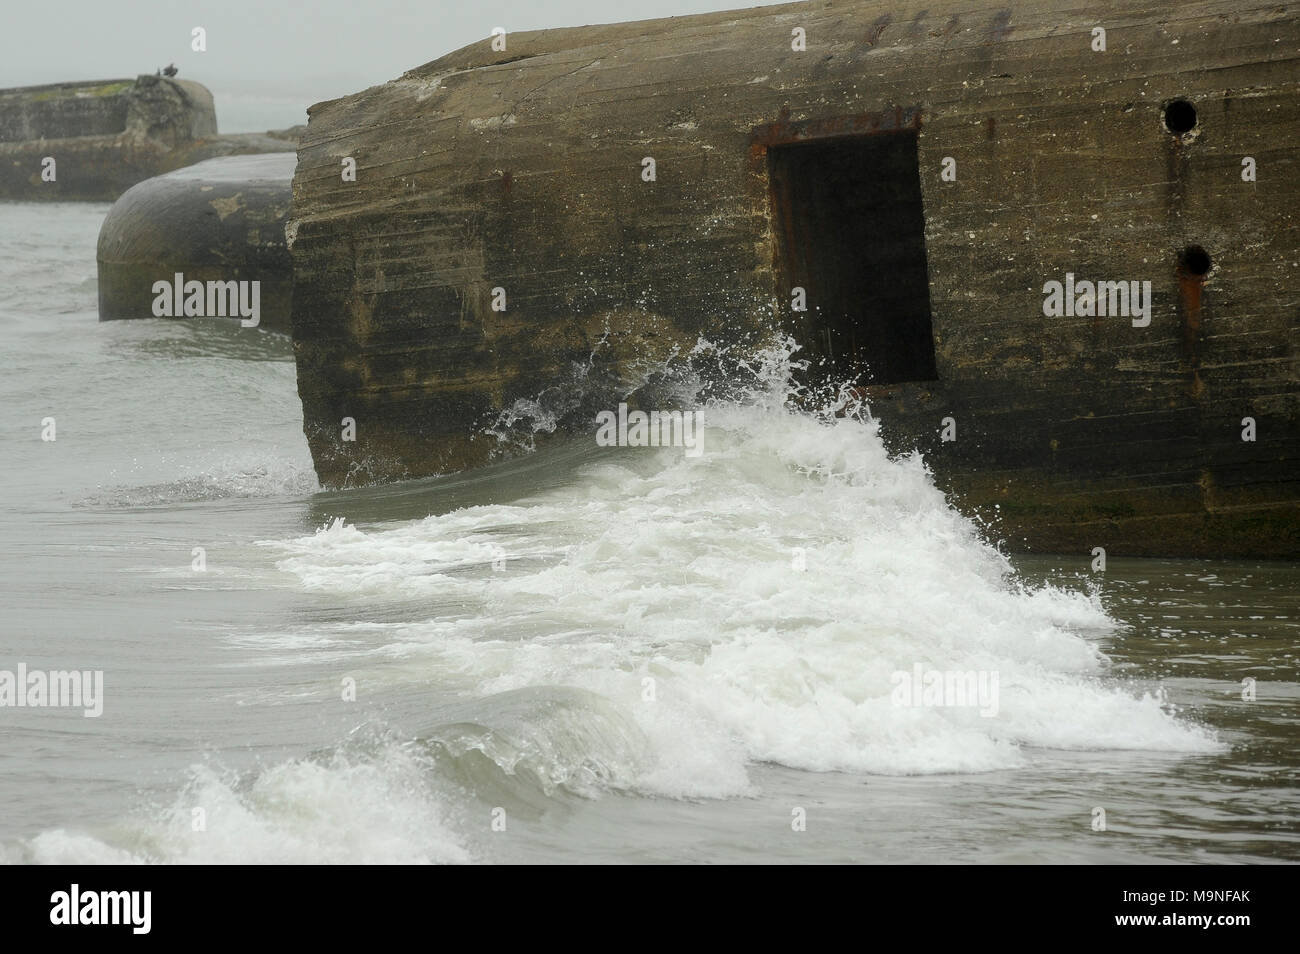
(346, 809)
(682, 570)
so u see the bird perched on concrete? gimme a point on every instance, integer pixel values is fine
(170, 70)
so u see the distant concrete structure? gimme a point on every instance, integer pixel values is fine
(221, 220)
(94, 140)
(897, 186)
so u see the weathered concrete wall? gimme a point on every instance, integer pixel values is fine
(521, 169)
(106, 136)
(64, 110)
(221, 220)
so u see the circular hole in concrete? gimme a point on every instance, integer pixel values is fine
(1180, 117)
(1194, 260)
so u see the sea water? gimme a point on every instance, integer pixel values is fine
(579, 653)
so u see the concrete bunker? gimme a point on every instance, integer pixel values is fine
(101, 138)
(523, 170)
(218, 224)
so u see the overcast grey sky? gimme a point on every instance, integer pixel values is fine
(267, 60)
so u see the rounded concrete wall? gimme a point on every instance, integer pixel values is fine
(220, 220)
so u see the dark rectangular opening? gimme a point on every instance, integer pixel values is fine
(851, 232)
